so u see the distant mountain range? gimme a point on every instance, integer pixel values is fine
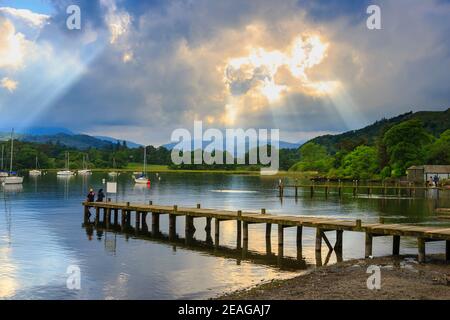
(64, 137)
(282, 145)
(130, 144)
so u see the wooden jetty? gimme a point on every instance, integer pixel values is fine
(398, 190)
(244, 219)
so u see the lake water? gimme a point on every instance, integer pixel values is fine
(41, 235)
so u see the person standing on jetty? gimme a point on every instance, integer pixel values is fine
(436, 180)
(90, 198)
(100, 195)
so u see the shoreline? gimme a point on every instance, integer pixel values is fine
(166, 170)
(402, 278)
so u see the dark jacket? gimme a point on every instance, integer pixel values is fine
(91, 197)
(100, 196)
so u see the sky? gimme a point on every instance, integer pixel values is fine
(138, 70)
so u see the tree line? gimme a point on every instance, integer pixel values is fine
(396, 148)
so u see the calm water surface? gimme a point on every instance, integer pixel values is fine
(41, 235)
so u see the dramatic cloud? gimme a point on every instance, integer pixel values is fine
(12, 46)
(118, 21)
(33, 19)
(8, 84)
(142, 69)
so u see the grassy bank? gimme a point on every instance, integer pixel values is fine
(401, 278)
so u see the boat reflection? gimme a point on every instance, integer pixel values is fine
(12, 188)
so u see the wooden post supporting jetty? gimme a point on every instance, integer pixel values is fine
(396, 246)
(299, 243)
(155, 223)
(172, 227)
(280, 242)
(421, 249)
(268, 238)
(217, 232)
(369, 241)
(116, 217)
(447, 250)
(189, 229)
(339, 241)
(137, 222)
(208, 230)
(239, 231)
(108, 218)
(123, 219)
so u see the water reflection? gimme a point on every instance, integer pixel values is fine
(191, 244)
(41, 236)
(12, 188)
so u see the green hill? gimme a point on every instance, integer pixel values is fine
(435, 122)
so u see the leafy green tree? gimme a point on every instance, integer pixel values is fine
(361, 163)
(439, 151)
(313, 157)
(405, 145)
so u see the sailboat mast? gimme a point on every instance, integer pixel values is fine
(145, 160)
(3, 150)
(12, 151)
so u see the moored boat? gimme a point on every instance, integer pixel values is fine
(66, 172)
(143, 179)
(12, 177)
(36, 171)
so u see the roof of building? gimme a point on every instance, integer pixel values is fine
(432, 168)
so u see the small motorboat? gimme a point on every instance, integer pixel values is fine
(66, 173)
(35, 173)
(142, 180)
(85, 172)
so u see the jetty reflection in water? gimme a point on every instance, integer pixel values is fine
(101, 231)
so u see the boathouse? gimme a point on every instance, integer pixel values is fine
(423, 173)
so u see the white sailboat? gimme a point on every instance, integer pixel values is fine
(36, 171)
(143, 178)
(113, 173)
(67, 172)
(85, 170)
(11, 178)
